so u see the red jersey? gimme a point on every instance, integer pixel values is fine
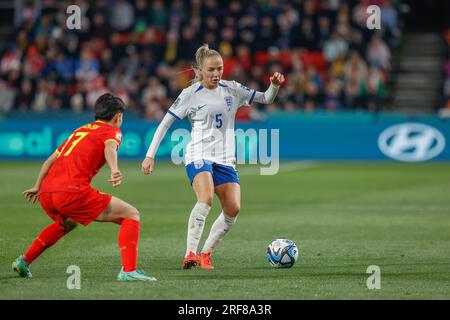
(80, 157)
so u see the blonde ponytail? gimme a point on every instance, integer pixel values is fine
(202, 53)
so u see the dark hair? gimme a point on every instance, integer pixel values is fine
(107, 105)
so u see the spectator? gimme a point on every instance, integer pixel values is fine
(378, 53)
(171, 47)
(445, 110)
(134, 93)
(159, 15)
(77, 102)
(99, 28)
(337, 67)
(334, 47)
(375, 89)
(353, 90)
(153, 110)
(355, 66)
(106, 62)
(25, 96)
(323, 32)
(130, 64)
(63, 66)
(122, 16)
(313, 89)
(343, 27)
(154, 91)
(42, 99)
(389, 18)
(177, 14)
(267, 33)
(244, 58)
(29, 13)
(127, 43)
(10, 62)
(95, 90)
(360, 14)
(142, 16)
(34, 63)
(7, 96)
(86, 68)
(188, 44)
(304, 36)
(333, 93)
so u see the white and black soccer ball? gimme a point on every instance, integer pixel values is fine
(282, 253)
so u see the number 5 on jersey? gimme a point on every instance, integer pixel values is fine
(219, 120)
(79, 136)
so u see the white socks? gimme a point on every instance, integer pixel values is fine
(196, 225)
(218, 231)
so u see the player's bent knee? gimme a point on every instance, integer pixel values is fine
(233, 210)
(206, 199)
(134, 214)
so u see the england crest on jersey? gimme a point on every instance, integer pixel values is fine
(229, 102)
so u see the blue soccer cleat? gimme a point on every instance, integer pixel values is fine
(21, 267)
(136, 275)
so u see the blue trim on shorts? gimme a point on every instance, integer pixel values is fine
(220, 173)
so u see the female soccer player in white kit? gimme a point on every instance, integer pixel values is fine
(210, 104)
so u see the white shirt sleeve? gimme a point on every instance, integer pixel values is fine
(180, 107)
(159, 134)
(268, 96)
(243, 93)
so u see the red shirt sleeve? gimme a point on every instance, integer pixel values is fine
(113, 135)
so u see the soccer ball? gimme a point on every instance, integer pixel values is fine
(282, 253)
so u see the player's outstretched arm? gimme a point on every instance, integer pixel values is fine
(267, 97)
(32, 193)
(111, 159)
(149, 161)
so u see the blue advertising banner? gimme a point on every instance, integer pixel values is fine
(298, 137)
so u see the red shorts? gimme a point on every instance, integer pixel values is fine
(83, 207)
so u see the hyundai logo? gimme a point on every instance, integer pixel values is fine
(411, 142)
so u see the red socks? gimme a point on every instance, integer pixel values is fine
(128, 243)
(48, 237)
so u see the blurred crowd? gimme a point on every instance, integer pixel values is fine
(446, 107)
(143, 51)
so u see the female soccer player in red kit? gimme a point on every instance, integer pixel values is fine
(64, 191)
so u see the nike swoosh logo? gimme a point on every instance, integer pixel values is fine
(198, 108)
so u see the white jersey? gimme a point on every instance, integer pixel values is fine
(211, 113)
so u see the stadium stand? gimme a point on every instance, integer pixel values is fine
(142, 51)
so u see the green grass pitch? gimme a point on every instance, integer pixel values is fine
(343, 216)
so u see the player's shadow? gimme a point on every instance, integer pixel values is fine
(227, 274)
(8, 277)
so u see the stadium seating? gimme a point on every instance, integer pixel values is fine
(145, 57)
